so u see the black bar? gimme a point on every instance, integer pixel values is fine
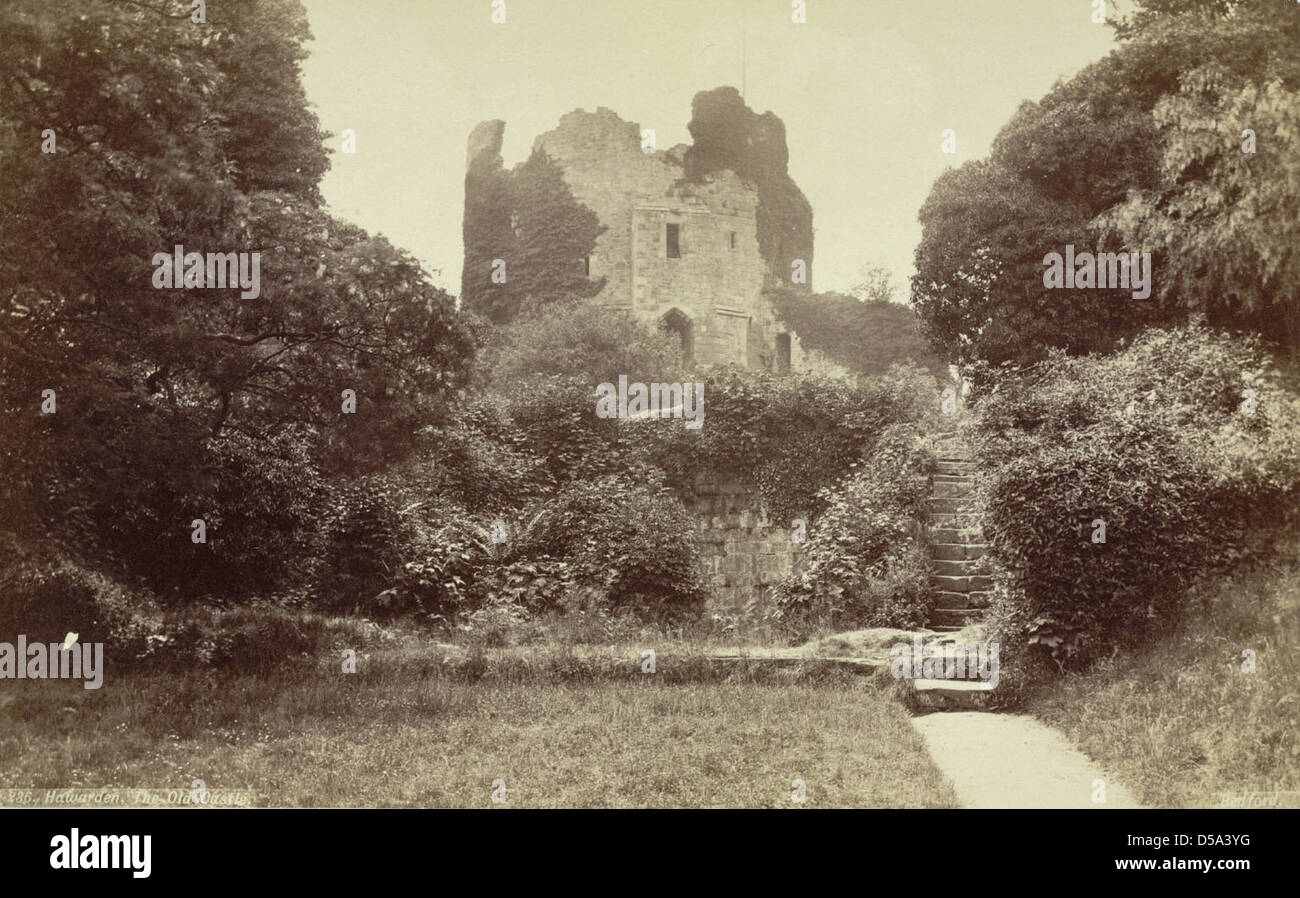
(657, 848)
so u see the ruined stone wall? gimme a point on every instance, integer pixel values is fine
(745, 552)
(814, 361)
(607, 172)
(713, 282)
(716, 281)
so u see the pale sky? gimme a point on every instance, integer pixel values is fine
(865, 88)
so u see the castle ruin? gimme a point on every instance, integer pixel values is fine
(683, 240)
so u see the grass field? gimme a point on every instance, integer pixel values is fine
(408, 735)
(1188, 723)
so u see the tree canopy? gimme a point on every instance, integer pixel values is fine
(127, 129)
(1143, 151)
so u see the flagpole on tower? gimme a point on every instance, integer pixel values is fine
(744, 17)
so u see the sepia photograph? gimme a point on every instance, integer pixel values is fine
(673, 404)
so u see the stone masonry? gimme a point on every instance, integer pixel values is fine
(745, 552)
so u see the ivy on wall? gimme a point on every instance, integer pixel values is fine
(727, 134)
(526, 237)
(864, 336)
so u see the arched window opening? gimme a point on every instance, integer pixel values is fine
(678, 323)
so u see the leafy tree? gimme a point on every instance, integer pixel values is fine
(1131, 154)
(1224, 213)
(172, 404)
(875, 282)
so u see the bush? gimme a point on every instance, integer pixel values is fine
(45, 598)
(602, 545)
(437, 577)
(481, 460)
(1154, 441)
(626, 537)
(365, 545)
(790, 436)
(584, 340)
(119, 501)
(556, 420)
(865, 563)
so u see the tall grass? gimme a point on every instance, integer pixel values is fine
(1184, 723)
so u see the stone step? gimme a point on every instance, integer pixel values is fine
(955, 617)
(946, 551)
(950, 489)
(979, 599)
(955, 537)
(946, 520)
(945, 568)
(951, 506)
(954, 568)
(967, 583)
(949, 466)
(951, 584)
(954, 599)
(944, 694)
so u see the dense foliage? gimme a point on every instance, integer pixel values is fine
(792, 437)
(584, 340)
(727, 135)
(177, 405)
(1142, 151)
(526, 238)
(865, 563)
(592, 509)
(1182, 446)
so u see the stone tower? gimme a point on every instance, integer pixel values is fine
(677, 251)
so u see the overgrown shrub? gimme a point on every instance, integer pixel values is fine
(628, 537)
(482, 460)
(1182, 446)
(46, 603)
(865, 563)
(556, 419)
(585, 340)
(45, 596)
(609, 544)
(367, 536)
(866, 336)
(790, 436)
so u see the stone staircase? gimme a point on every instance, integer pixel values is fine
(955, 539)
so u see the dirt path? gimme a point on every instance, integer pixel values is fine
(1014, 761)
